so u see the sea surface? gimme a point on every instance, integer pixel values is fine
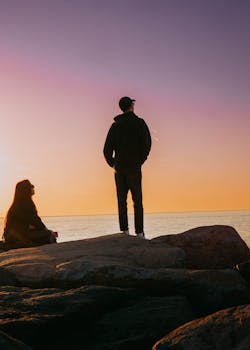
(72, 228)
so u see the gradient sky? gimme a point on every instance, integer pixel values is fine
(65, 64)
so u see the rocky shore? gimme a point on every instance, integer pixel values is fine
(119, 292)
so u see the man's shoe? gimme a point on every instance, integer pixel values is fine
(140, 235)
(125, 232)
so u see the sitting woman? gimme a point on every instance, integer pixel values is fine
(23, 226)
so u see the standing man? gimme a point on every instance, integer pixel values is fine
(126, 148)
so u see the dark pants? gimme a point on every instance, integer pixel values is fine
(125, 182)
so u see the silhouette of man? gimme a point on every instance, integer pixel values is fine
(126, 148)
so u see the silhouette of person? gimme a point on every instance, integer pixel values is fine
(126, 148)
(23, 226)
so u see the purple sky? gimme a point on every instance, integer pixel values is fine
(171, 43)
(185, 61)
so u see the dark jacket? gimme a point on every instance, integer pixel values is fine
(22, 222)
(128, 142)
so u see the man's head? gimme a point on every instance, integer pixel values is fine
(126, 104)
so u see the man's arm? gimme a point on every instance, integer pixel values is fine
(108, 149)
(147, 142)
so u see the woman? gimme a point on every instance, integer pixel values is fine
(23, 226)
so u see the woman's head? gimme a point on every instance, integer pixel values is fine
(23, 193)
(24, 190)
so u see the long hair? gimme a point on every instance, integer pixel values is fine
(23, 194)
(23, 191)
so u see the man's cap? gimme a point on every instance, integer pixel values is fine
(125, 102)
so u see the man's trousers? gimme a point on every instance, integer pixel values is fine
(129, 181)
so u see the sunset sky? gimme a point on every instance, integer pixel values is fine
(64, 64)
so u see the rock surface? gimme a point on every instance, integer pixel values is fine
(209, 247)
(141, 324)
(208, 290)
(244, 270)
(227, 329)
(39, 265)
(94, 315)
(9, 343)
(117, 292)
(37, 316)
(114, 261)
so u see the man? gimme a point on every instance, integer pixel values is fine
(126, 148)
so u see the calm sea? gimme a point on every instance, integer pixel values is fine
(88, 226)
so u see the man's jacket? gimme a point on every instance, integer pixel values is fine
(128, 143)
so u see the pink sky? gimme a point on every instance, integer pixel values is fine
(65, 64)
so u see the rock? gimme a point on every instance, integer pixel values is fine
(6, 246)
(157, 256)
(244, 270)
(209, 247)
(89, 317)
(113, 292)
(140, 325)
(226, 329)
(212, 290)
(38, 266)
(3, 246)
(207, 290)
(52, 318)
(7, 277)
(73, 264)
(9, 343)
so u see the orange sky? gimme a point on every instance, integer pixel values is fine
(59, 95)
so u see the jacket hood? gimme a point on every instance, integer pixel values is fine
(124, 116)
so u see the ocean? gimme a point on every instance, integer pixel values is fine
(72, 228)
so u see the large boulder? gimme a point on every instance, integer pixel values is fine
(39, 265)
(113, 261)
(117, 291)
(207, 290)
(96, 317)
(209, 247)
(140, 325)
(51, 318)
(227, 329)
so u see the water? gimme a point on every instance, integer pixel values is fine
(80, 227)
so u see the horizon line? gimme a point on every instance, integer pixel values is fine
(153, 212)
